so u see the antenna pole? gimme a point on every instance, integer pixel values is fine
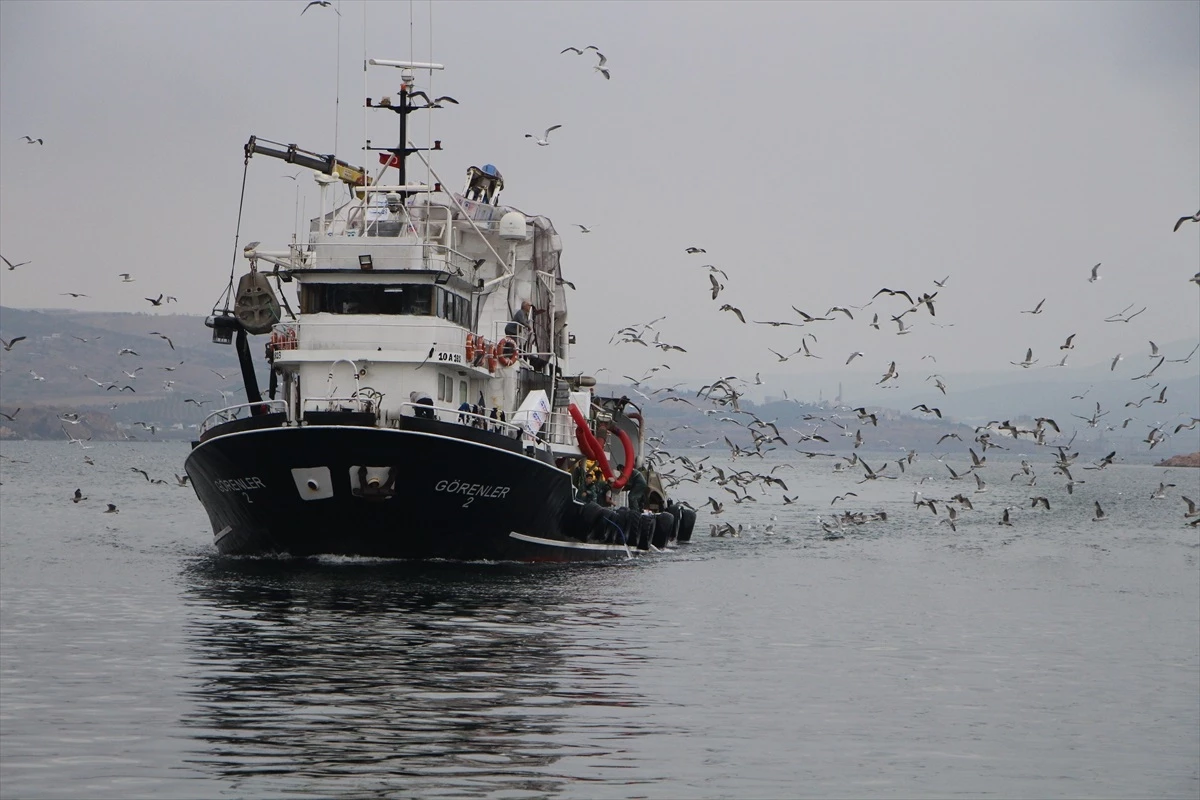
(402, 150)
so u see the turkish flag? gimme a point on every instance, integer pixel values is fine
(389, 160)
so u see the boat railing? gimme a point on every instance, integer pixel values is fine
(241, 411)
(284, 336)
(387, 254)
(469, 418)
(560, 428)
(361, 404)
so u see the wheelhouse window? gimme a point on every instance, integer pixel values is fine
(409, 299)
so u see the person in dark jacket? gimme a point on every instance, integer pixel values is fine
(636, 487)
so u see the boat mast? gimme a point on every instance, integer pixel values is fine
(402, 151)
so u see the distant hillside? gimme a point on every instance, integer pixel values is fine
(72, 350)
(65, 353)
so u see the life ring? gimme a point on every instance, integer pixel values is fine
(291, 338)
(470, 348)
(506, 351)
(491, 356)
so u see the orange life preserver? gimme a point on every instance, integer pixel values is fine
(491, 357)
(470, 348)
(291, 338)
(506, 351)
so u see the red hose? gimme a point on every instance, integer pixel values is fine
(620, 482)
(587, 441)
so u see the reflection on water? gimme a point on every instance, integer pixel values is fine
(443, 680)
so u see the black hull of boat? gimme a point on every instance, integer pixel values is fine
(377, 492)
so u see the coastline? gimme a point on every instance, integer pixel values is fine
(1188, 460)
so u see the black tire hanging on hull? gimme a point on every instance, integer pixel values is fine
(676, 513)
(590, 523)
(664, 526)
(687, 521)
(645, 523)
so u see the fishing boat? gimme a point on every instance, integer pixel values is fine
(421, 401)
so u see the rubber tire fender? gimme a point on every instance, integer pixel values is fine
(664, 526)
(687, 521)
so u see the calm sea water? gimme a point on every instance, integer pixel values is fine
(1059, 657)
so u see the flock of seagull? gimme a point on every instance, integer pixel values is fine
(118, 385)
(721, 399)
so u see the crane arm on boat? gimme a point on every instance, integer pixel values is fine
(325, 164)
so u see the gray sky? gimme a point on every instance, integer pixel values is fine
(818, 152)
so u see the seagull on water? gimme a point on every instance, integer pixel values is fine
(545, 140)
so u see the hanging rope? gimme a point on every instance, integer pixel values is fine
(224, 301)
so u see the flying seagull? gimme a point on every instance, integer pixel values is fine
(9, 344)
(545, 140)
(737, 311)
(1193, 218)
(1036, 309)
(435, 102)
(163, 336)
(574, 50)
(157, 302)
(31, 140)
(12, 265)
(125, 278)
(71, 294)
(693, 250)
(322, 4)
(1028, 362)
(716, 287)
(583, 228)
(1095, 274)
